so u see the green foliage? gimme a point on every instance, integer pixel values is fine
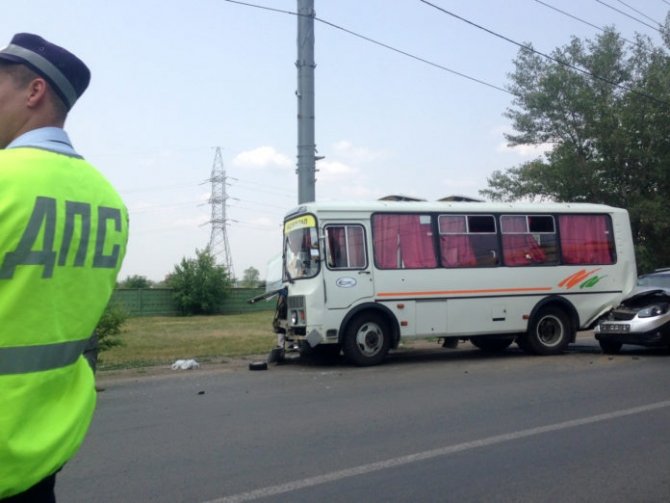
(136, 281)
(200, 285)
(109, 326)
(250, 278)
(608, 137)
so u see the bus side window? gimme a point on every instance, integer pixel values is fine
(484, 241)
(528, 240)
(345, 247)
(586, 239)
(403, 241)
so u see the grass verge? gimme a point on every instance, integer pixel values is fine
(160, 340)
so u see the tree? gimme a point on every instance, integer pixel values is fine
(109, 325)
(200, 285)
(136, 281)
(608, 133)
(250, 278)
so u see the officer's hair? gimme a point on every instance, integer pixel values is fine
(22, 76)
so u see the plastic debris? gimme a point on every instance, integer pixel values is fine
(185, 365)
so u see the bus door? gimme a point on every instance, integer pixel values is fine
(347, 270)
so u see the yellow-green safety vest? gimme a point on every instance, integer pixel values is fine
(63, 234)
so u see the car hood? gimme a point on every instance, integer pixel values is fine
(641, 292)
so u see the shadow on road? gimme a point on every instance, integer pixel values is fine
(423, 352)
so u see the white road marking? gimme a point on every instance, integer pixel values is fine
(430, 454)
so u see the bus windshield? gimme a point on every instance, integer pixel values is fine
(301, 248)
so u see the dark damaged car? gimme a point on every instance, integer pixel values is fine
(642, 319)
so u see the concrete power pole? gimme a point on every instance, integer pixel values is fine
(305, 94)
(218, 199)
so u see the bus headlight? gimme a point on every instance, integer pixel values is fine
(297, 317)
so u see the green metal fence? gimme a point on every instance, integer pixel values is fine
(159, 301)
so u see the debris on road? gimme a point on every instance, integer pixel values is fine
(185, 365)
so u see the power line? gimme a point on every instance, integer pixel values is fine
(600, 28)
(263, 188)
(639, 12)
(628, 15)
(381, 44)
(544, 55)
(157, 187)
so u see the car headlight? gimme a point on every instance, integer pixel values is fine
(654, 310)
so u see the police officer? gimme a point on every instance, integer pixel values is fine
(63, 235)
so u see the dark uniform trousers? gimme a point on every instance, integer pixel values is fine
(42, 492)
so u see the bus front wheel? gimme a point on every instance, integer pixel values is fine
(549, 332)
(367, 340)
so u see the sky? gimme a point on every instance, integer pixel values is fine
(172, 80)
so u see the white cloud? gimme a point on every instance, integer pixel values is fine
(525, 151)
(452, 183)
(332, 171)
(349, 151)
(262, 157)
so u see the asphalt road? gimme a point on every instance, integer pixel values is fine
(428, 426)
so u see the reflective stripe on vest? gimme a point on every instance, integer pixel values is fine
(25, 359)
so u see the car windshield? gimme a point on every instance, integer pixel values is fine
(301, 248)
(657, 280)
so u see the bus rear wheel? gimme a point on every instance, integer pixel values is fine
(367, 340)
(549, 332)
(492, 344)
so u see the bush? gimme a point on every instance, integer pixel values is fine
(110, 325)
(200, 285)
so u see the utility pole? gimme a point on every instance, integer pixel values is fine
(218, 199)
(305, 93)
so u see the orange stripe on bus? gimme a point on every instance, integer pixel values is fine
(461, 292)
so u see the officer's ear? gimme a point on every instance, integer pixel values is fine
(36, 92)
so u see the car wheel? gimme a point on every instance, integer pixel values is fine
(492, 344)
(610, 347)
(367, 340)
(549, 332)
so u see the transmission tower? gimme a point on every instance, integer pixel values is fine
(218, 240)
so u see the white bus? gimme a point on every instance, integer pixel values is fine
(359, 277)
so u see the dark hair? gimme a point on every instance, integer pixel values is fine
(22, 76)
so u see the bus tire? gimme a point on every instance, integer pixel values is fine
(367, 339)
(492, 344)
(549, 332)
(610, 347)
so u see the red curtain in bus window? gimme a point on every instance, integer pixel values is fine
(336, 245)
(521, 248)
(356, 247)
(416, 243)
(455, 249)
(403, 241)
(385, 229)
(585, 239)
